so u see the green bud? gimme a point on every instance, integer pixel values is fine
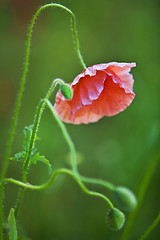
(125, 199)
(66, 90)
(115, 219)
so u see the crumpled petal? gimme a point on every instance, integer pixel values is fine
(100, 90)
(122, 71)
(87, 89)
(84, 115)
(113, 99)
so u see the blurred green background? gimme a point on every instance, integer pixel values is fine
(117, 148)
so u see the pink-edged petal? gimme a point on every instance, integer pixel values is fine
(114, 98)
(90, 71)
(100, 90)
(122, 71)
(86, 90)
(84, 115)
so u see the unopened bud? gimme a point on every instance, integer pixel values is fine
(125, 199)
(115, 219)
(66, 90)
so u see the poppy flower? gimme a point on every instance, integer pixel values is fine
(100, 90)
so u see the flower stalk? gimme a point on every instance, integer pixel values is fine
(21, 90)
(66, 136)
(24, 185)
(104, 73)
(51, 180)
(38, 115)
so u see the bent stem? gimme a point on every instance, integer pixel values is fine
(142, 190)
(38, 115)
(68, 140)
(43, 186)
(19, 97)
(73, 152)
(47, 184)
(51, 180)
(66, 136)
(101, 182)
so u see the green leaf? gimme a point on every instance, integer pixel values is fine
(19, 156)
(12, 225)
(37, 157)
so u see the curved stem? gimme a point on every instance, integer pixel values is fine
(98, 181)
(19, 98)
(66, 136)
(142, 190)
(43, 186)
(73, 152)
(151, 227)
(38, 115)
(51, 180)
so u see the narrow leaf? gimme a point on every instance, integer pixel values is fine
(12, 225)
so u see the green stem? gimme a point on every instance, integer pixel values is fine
(19, 98)
(43, 186)
(140, 196)
(51, 180)
(38, 115)
(73, 152)
(151, 227)
(98, 181)
(66, 136)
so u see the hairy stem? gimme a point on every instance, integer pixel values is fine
(19, 97)
(38, 115)
(140, 196)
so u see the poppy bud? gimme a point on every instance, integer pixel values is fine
(125, 198)
(66, 90)
(115, 219)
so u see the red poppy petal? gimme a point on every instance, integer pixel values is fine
(86, 90)
(120, 69)
(102, 89)
(84, 115)
(90, 71)
(113, 99)
(62, 107)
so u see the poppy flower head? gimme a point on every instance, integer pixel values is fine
(100, 90)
